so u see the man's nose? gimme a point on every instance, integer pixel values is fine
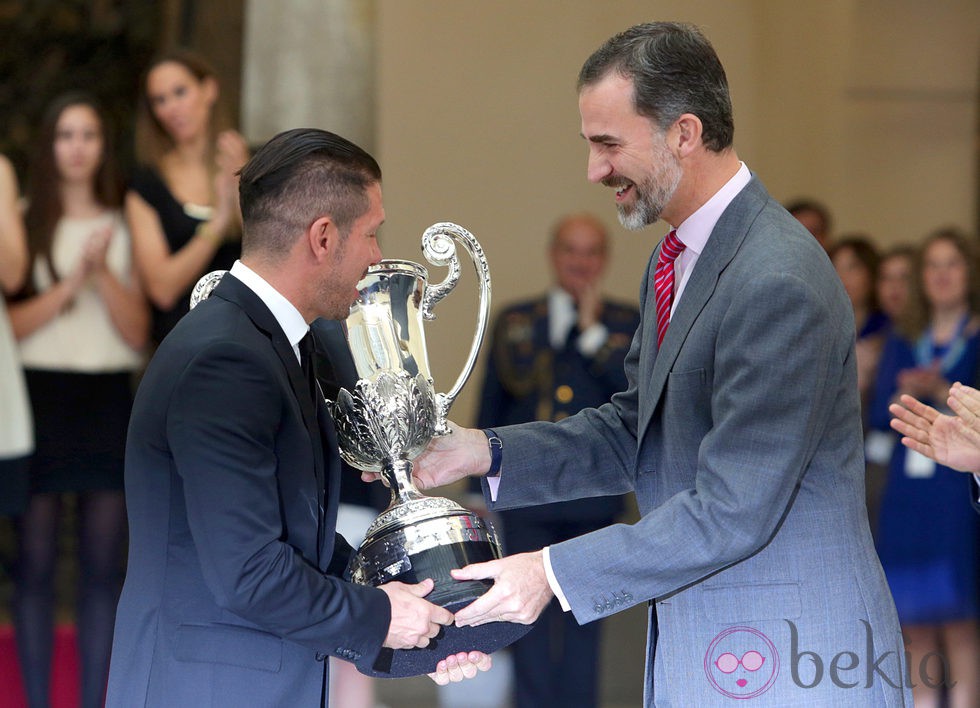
(598, 167)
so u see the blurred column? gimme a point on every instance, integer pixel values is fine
(308, 64)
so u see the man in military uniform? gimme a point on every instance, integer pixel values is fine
(551, 357)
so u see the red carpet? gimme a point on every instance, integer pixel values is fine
(64, 673)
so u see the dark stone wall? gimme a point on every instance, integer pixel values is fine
(103, 46)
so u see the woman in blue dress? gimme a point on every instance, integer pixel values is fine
(928, 535)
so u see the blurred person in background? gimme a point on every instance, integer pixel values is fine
(82, 323)
(856, 262)
(550, 357)
(815, 217)
(895, 281)
(360, 503)
(16, 434)
(927, 538)
(182, 205)
(894, 285)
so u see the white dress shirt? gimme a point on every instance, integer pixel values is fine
(286, 314)
(562, 316)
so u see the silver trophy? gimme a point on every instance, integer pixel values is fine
(387, 420)
(393, 412)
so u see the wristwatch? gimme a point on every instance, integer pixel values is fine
(496, 452)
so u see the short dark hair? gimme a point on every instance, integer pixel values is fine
(798, 206)
(674, 70)
(864, 250)
(296, 177)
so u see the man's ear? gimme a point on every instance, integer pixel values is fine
(688, 130)
(322, 237)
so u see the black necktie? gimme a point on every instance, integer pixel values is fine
(571, 340)
(306, 361)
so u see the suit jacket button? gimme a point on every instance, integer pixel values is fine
(320, 656)
(598, 608)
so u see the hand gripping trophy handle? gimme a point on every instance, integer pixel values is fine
(439, 248)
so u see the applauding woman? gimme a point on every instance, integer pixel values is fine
(927, 536)
(183, 202)
(82, 323)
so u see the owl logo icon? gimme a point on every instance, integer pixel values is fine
(741, 663)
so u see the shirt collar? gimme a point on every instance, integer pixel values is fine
(286, 314)
(695, 229)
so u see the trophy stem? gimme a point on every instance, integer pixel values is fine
(397, 474)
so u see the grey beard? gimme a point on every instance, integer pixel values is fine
(651, 196)
(638, 216)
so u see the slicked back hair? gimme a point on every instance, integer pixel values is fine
(674, 70)
(294, 179)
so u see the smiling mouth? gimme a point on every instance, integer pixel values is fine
(623, 191)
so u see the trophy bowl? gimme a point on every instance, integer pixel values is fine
(387, 420)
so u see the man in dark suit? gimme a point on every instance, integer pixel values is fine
(233, 594)
(739, 431)
(550, 357)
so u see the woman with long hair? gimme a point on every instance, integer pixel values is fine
(927, 537)
(856, 261)
(182, 205)
(82, 323)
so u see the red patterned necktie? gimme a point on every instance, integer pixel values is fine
(663, 280)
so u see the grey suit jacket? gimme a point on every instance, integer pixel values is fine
(742, 440)
(232, 594)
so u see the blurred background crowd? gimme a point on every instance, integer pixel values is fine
(118, 191)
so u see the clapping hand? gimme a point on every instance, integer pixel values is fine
(230, 156)
(953, 441)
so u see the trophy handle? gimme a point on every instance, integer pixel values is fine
(205, 285)
(439, 247)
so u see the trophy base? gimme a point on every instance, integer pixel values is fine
(436, 562)
(427, 539)
(487, 638)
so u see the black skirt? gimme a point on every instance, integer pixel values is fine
(80, 423)
(14, 485)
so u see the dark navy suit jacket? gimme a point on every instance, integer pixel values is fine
(232, 595)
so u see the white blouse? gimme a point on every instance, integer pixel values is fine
(82, 338)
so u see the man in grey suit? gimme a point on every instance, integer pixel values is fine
(739, 433)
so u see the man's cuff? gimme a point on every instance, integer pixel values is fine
(552, 580)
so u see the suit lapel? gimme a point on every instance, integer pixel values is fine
(233, 290)
(721, 247)
(335, 365)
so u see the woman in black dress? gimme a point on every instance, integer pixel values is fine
(182, 205)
